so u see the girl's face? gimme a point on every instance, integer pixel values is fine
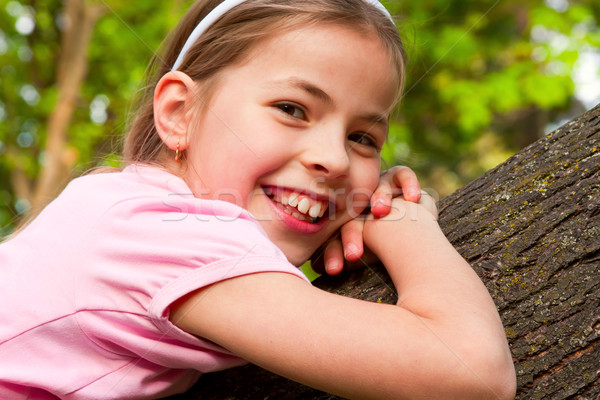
(293, 134)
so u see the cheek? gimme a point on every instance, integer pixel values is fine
(365, 181)
(367, 175)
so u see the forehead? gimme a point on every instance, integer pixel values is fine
(329, 37)
(331, 56)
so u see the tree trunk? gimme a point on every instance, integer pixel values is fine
(81, 17)
(531, 230)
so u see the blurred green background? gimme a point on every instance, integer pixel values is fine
(485, 78)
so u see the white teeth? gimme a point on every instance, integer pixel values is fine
(304, 205)
(293, 200)
(315, 211)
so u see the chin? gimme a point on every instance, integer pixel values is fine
(297, 248)
(298, 260)
(297, 256)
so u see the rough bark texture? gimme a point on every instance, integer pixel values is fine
(531, 230)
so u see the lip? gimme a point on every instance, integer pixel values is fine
(293, 223)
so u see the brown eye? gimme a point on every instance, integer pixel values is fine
(292, 110)
(363, 139)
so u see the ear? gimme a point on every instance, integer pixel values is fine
(173, 98)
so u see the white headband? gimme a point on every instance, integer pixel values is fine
(223, 8)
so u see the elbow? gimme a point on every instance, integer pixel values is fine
(493, 376)
(480, 373)
(476, 385)
(503, 384)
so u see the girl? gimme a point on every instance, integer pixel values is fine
(258, 140)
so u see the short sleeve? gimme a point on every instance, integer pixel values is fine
(147, 251)
(91, 280)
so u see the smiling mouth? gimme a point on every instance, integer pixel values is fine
(298, 205)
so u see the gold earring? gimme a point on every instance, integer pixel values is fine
(177, 154)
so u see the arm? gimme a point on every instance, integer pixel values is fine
(443, 339)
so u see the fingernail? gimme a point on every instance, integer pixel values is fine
(414, 193)
(350, 249)
(377, 205)
(331, 267)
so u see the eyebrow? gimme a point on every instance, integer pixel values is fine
(321, 95)
(305, 85)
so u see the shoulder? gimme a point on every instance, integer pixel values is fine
(146, 210)
(131, 181)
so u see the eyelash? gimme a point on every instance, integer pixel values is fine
(291, 106)
(359, 137)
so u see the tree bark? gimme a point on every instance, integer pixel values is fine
(81, 17)
(531, 230)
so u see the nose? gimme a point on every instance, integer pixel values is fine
(326, 155)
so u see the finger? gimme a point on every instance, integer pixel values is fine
(333, 257)
(328, 257)
(394, 181)
(406, 179)
(352, 239)
(381, 200)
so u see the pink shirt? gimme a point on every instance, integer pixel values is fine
(86, 287)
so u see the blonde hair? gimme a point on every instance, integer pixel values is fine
(233, 37)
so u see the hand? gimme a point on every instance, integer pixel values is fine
(346, 250)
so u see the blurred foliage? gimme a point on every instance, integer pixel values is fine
(124, 40)
(484, 79)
